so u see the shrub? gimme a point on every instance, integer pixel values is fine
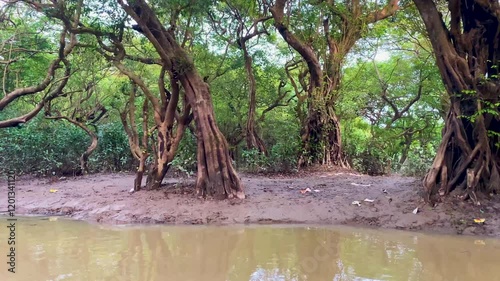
(46, 147)
(113, 151)
(185, 159)
(42, 147)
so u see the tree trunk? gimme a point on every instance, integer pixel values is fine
(321, 136)
(406, 149)
(252, 137)
(322, 141)
(140, 172)
(466, 149)
(467, 56)
(216, 175)
(333, 154)
(164, 154)
(138, 146)
(156, 176)
(93, 145)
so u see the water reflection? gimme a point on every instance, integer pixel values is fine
(70, 250)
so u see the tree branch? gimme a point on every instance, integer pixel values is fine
(389, 10)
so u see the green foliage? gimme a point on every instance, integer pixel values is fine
(373, 140)
(419, 160)
(376, 139)
(185, 159)
(283, 156)
(254, 161)
(113, 152)
(44, 147)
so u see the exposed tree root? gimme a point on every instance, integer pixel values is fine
(466, 159)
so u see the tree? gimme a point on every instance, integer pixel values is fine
(139, 146)
(80, 114)
(170, 120)
(81, 102)
(216, 174)
(243, 15)
(238, 23)
(467, 51)
(342, 25)
(21, 49)
(391, 112)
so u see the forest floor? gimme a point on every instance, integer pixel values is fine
(271, 199)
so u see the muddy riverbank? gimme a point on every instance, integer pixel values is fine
(314, 198)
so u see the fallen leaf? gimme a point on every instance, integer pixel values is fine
(369, 200)
(53, 219)
(356, 203)
(53, 190)
(479, 220)
(316, 190)
(479, 242)
(415, 211)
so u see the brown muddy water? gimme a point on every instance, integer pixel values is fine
(62, 249)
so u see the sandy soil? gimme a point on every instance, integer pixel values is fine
(270, 199)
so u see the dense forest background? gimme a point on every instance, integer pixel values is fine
(86, 88)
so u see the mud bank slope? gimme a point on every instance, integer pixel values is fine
(105, 199)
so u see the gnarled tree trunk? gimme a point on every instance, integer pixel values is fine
(216, 175)
(138, 146)
(252, 137)
(468, 58)
(140, 172)
(84, 158)
(170, 123)
(321, 137)
(166, 148)
(321, 122)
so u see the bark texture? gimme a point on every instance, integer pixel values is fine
(468, 57)
(84, 158)
(252, 137)
(216, 175)
(321, 137)
(139, 147)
